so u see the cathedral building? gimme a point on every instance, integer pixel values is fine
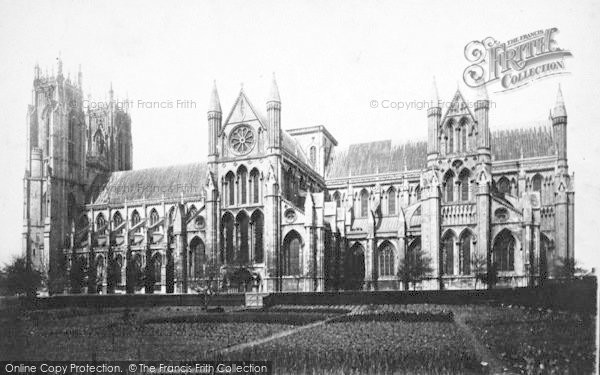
(289, 210)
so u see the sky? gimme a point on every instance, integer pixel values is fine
(332, 59)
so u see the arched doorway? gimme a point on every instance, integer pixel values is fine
(354, 267)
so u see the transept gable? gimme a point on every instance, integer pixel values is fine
(244, 112)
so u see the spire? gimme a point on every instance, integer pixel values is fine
(435, 97)
(274, 93)
(111, 92)
(214, 105)
(559, 107)
(481, 93)
(60, 64)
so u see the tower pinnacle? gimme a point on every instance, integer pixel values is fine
(214, 105)
(274, 93)
(559, 107)
(435, 97)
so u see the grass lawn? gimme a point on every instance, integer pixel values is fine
(526, 341)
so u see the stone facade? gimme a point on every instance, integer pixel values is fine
(286, 210)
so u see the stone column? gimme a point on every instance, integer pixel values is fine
(483, 217)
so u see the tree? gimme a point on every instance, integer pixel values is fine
(413, 268)
(567, 267)
(19, 278)
(58, 278)
(483, 273)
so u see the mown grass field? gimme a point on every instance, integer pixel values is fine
(394, 339)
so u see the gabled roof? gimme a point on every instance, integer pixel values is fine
(377, 157)
(457, 107)
(150, 184)
(236, 115)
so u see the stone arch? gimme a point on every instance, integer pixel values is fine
(386, 258)
(503, 251)
(291, 257)
(449, 136)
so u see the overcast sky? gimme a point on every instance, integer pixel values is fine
(331, 60)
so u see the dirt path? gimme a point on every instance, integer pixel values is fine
(275, 336)
(495, 366)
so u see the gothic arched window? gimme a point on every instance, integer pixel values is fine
(464, 134)
(227, 225)
(257, 226)
(337, 199)
(447, 253)
(450, 137)
(449, 187)
(135, 220)
(503, 186)
(230, 182)
(255, 178)
(243, 237)
(536, 184)
(504, 251)
(117, 220)
(386, 260)
(465, 253)
(313, 156)
(100, 224)
(99, 141)
(154, 217)
(364, 203)
(243, 182)
(291, 255)
(464, 185)
(391, 201)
